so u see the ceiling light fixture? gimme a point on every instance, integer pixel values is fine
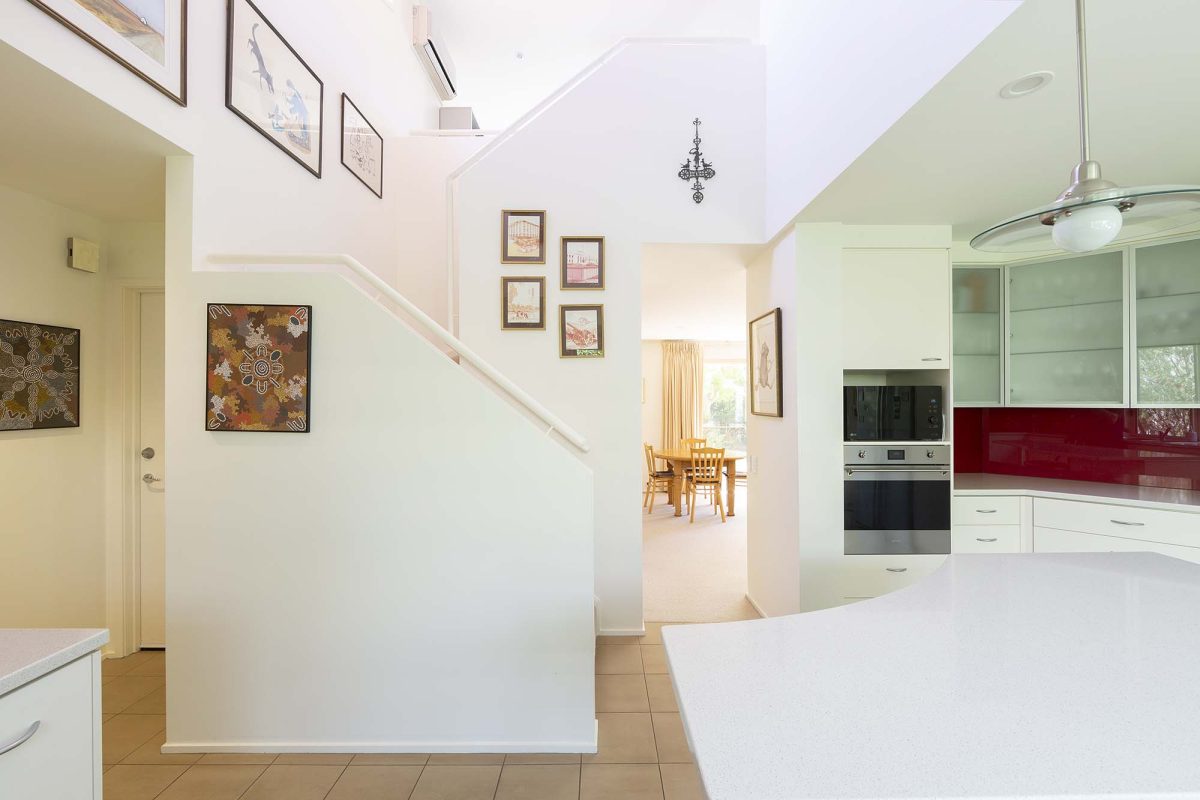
(1026, 84)
(1092, 212)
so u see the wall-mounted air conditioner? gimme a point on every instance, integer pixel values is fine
(432, 52)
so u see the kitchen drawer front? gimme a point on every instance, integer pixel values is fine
(1168, 527)
(1052, 540)
(58, 760)
(871, 576)
(986, 539)
(985, 510)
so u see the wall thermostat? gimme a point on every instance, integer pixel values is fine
(83, 255)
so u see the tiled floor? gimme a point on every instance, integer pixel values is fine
(642, 755)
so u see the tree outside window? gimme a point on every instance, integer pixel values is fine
(725, 405)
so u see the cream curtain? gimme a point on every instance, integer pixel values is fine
(683, 391)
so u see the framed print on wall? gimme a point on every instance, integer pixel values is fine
(362, 147)
(523, 303)
(581, 331)
(147, 37)
(258, 365)
(522, 237)
(270, 87)
(39, 376)
(581, 261)
(766, 385)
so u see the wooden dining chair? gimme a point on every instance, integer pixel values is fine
(657, 480)
(689, 444)
(705, 478)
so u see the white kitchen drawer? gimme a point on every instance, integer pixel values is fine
(1052, 540)
(1168, 527)
(986, 539)
(984, 510)
(871, 576)
(58, 761)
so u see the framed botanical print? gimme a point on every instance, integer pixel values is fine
(523, 303)
(766, 385)
(146, 37)
(258, 364)
(581, 261)
(362, 147)
(581, 331)
(270, 87)
(39, 376)
(523, 237)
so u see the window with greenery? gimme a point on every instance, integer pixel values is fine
(725, 405)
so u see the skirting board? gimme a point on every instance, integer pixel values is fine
(382, 747)
(757, 607)
(622, 631)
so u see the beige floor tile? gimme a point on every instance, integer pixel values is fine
(153, 703)
(662, 693)
(294, 782)
(621, 693)
(121, 692)
(465, 759)
(125, 733)
(375, 783)
(213, 782)
(139, 782)
(654, 657)
(120, 666)
(670, 740)
(239, 758)
(390, 759)
(154, 663)
(620, 782)
(320, 759)
(106, 717)
(653, 633)
(151, 753)
(539, 782)
(624, 739)
(618, 660)
(457, 783)
(541, 758)
(682, 782)
(623, 640)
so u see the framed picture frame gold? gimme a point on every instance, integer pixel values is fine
(581, 262)
(766, 366)
(522, 303)
(522, 237)
(581, 331)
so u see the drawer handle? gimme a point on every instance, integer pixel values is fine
(986, 540)
(1130, 524)
(897, 569)
(985, 511)
(22, 739)
(931, 358)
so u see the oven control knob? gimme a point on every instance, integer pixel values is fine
(862, 453)
(934, 419)
(929, 454)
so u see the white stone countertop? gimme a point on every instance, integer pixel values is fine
(1000, 676)
(980, 483)
(27, 654)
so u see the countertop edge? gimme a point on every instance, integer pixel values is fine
(1066, 494)
(91, 639)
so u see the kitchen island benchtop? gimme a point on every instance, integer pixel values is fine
(1001, 676)
(27, 654)
(986, 483)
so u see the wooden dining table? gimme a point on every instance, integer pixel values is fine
(681, 458)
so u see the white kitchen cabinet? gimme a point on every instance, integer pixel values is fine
(986, 539)
(1053, 540)
(978, 305)
(896, 309)
(1167, 324)
(862, 577)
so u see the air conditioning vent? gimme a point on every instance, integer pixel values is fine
(432, 52)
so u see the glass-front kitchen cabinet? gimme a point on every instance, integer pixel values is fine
(1166, 336)
(978, 305)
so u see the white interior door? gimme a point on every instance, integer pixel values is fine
(151, 525)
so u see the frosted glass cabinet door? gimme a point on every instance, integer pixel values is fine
(1066, 338)
(978, 305)
(1167, 311)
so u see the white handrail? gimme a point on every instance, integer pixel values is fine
(425, 321)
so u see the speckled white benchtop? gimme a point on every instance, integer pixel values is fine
(980, 483)
(1000, 676)
(27, 654)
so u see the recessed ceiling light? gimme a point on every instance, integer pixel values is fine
(1026, 84)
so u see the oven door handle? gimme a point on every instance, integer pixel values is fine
(899, 474)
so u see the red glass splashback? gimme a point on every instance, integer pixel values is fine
(1143, 447)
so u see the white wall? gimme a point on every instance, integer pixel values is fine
(652, 383)
(602, 160)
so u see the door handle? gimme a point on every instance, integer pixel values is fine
(22, 739)
(985, 540)
(932, 358)
(985, 511)
(897, 569)
(1130, 524)
(150, 480)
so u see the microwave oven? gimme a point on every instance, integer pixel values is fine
(892, 414)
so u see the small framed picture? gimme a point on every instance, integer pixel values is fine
(523, 303)
(582, 262)
(362, 147)
(581, 331)
(523, 237)
(766, 386)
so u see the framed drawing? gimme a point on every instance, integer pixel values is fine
(258, 365)
(523, 237)
(146, 37)
(269, 86)
(522, 303)
(362, 147)
(39, 376)
(581, 331)
(582, 262)
(766, 385)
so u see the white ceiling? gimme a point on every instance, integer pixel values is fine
(695, 291)
(964, 156)
(62, 144)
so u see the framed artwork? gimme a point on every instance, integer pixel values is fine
(523, 237)
(39, 376)
(766, 385)
(581, 331)
(582, 262)
(269, 86)
(522, 303)
(258, 365)
(146, 37)
(362, 147)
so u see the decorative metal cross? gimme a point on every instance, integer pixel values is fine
(696, 168)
